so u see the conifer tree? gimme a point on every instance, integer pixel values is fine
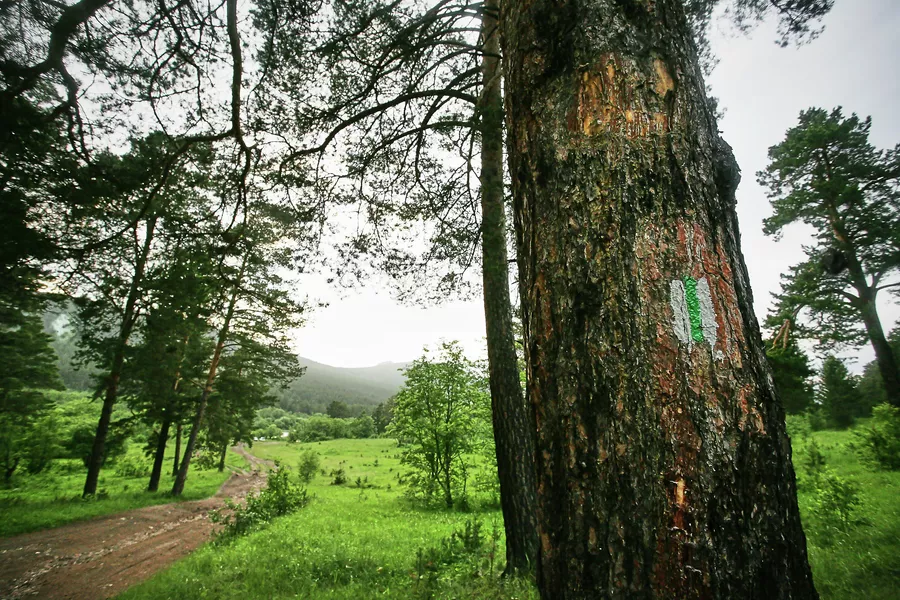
(839, 393)
(827, 175)
(664, 468)
(791, 371)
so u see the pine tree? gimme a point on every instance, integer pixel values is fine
(29, 365)
(871, 385)
(827, 175)
(663, 464)
(791, 371)
(839, 394)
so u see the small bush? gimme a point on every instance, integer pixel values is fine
(879, 444)
(308, 465)
(132, 466)
(467, 553)
(835, 499)
(817, 419)
(279, 497)
(339, 477)
(798, 426)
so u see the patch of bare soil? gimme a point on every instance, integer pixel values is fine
(102, 557)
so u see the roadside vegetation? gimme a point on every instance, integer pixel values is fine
(39, 498)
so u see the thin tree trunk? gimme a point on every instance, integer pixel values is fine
(663, 466)
(98, 450)
(160, 454)
(181, 477)
(513, 427)
(177, 462)
(222, 457)
(884, 354)
(10, 470)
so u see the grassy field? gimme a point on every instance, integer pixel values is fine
(861, 559)
(356, 542)
(353, 541)
(53, 498)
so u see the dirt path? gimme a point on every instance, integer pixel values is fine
(102, 557)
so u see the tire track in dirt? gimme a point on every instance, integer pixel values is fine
(102, 557)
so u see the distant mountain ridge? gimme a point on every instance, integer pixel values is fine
(321, 384)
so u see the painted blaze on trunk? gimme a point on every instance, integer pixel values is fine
(663, 463)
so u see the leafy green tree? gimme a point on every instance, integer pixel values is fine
(382, 416)
(308, 466)
(362, 427)
(338, 410)
(791, 371)
(442, 415)
(827, 175)
(839, 394)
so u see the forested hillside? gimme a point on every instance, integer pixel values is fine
(321, 385)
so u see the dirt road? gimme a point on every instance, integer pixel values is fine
(102, 557)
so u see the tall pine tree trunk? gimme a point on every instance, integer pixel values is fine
(160, 453)
(513, 428)
(884, 354)
(111, 394)
(181, 477)
(663, 465)
(156, 473)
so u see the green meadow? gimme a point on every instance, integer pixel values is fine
(860, 558)
(363, 539)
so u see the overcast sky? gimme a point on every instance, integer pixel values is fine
(762, 88)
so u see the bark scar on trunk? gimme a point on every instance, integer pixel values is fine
(603, 104)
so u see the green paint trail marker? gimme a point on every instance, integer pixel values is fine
(694, 316)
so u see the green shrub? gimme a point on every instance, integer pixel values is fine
(132, 466)
(835, 499)
(467, 553)
(339, 477)
(879, 444)
(817, 419)
(308, 465)
(798, 426)
(280, 497)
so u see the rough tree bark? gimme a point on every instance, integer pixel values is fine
(513, 428)
(663, 465)
(111, 394)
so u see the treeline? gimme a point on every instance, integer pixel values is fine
(831, 397)
(176, 303)
(340, 422)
